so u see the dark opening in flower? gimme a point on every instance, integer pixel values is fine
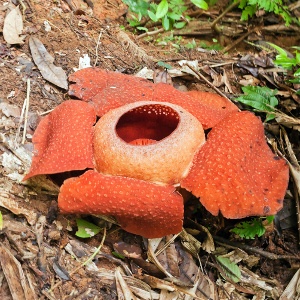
(147, 123)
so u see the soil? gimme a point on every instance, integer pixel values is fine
(40, 245)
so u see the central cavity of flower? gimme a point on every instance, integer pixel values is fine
(152, 141)
(145, 125)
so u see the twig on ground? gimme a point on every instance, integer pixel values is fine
(229, 8)
(24, 115)
(97, 47)
(26, 111)
(149, 33)
(231, 244)
(208, 82)
(240, 39)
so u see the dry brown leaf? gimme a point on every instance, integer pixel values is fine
(10, 110)
(9, 202)
(249, 80)
(287, 121)
(44, 62)
(13, 27)
(123, 289)
(14, 275)
(162, 77)
(292, 291)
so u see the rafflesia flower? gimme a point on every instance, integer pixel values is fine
(148, 141)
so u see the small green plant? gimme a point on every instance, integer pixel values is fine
(253, 228)
(214, 46)
(164, 65)
(169, 13)
(174, 41)
(261, 98)
(191, 45)
(250, 7)
(291, 64)
(86, 229)
(230, 269)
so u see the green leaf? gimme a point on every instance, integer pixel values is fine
(174, 16)
(166, 23)
(247, 12)
(179, 25)
(142, 28)
(297, 73)
(162, 9)
(278, 49)
(270, 219)
(296, 80)
(137, 6)
(133, 22)
(297, 55)
(260, 98)
(285, 62)
(152, 16)
(118, 255)
(230, 269)
(270, 117)
(200, 3)
(86, 229)
(249, 229)
(164, 65)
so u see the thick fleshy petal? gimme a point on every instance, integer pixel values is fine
(236, 173)
(108, 90)
(63, 140)
(219, 106)
(140, 207)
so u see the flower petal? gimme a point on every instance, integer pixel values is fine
(235, 172)
(140, 207)
(108, 90)
(219, 106)
(63, 140)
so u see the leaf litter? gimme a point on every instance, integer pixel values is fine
(175, 272)
(44, 62)
(13, 27)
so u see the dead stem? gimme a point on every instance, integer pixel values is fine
(150, 33)
(229, 8)
(230, 244)
(208, 82)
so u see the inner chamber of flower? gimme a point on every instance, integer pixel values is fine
(147, 124)
(152, 141)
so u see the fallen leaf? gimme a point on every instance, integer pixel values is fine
(162, 77)
(292, 291)
(11, 203)
(123, 290)
(287, 121)
(16, 279)
(44, 62)
(13, 27)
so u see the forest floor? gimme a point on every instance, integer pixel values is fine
(40, 255)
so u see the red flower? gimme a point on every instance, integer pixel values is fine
(148, 140)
